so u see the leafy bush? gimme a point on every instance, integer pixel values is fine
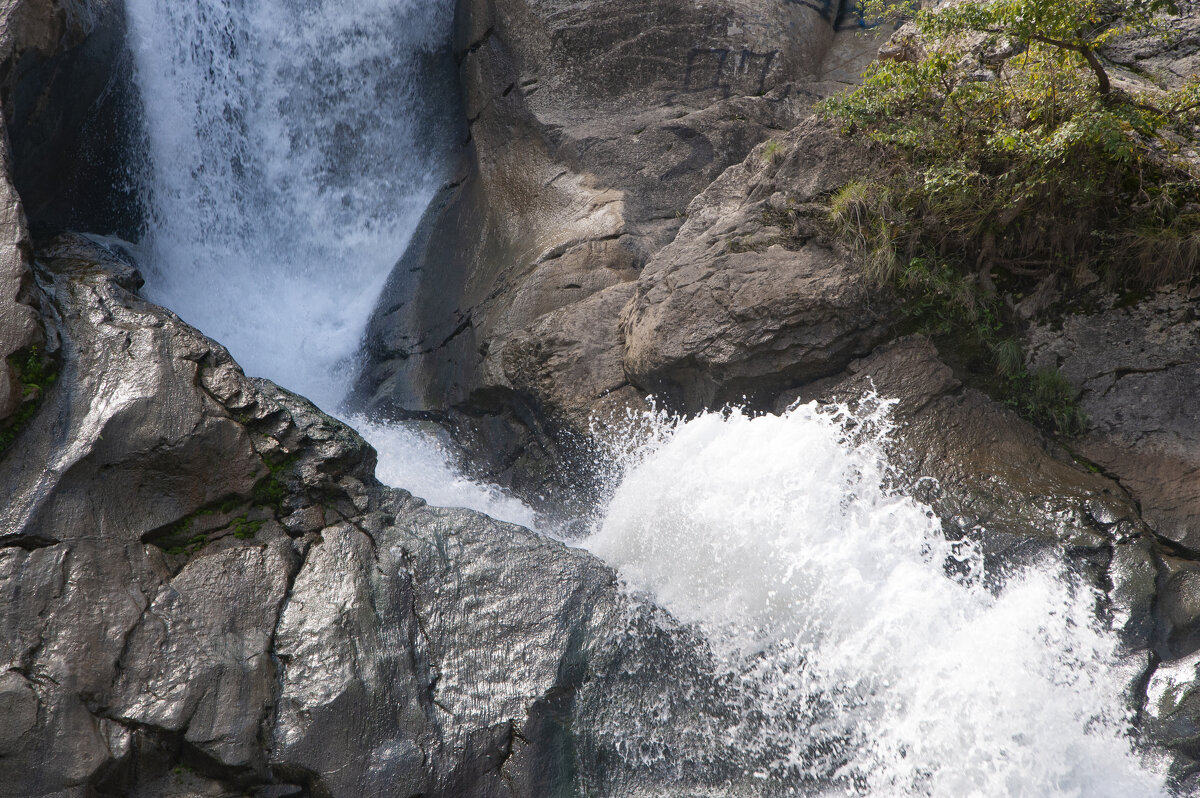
(1010, 149)
(1013, 162)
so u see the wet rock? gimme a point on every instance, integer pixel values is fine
(1173, 707)
(991, 468)
(202, 674)
(1178, 611)
(1137, 369)
(73, 117)
(204, 591)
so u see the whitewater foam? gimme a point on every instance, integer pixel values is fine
(417, 461)
(872, 658)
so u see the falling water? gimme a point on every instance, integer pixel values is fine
(293, 146)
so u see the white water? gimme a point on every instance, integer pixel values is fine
(291, 155)
(293, 146)
(416, 460)
(827, 600)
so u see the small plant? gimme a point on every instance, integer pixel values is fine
(863, 215)
(1007, 162)
(36, 372)
(1049, 400)
(245, 529)
(271, 490)
(772, 151)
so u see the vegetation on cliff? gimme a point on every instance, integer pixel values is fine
(1021, 167)
(36, 372)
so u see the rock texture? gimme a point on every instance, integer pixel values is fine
(204, 590)
(73, 116)
(753, 296)
(592, 128)
(22, 28)
(1138, 372)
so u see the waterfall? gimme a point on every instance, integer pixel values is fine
(870, 656)
(293, 145)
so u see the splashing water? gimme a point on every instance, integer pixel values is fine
(417, 461)
(867, 666)
(293, 145)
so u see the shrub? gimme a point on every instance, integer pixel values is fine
(1011, 150)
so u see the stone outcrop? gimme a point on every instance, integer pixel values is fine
(205, 589)
(753, 296)
(1137, 368)
(54, 71)
(592, 128)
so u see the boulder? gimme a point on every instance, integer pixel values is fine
(205, 591)
(753, 296)
(592, 126)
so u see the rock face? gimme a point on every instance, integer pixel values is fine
(1138, 372)
(201, 575)
(59, 57)
(73, 116)
(592, 127)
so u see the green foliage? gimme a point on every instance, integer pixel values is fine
(1050, 401)
(244, 528)
(272, 489)
(1021, 162)
(1010, 160)
(1077, 28)
(772, 151)
(973, 330)
(36, 372)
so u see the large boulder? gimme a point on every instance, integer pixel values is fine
(205, 591)
(593, 125)
(753, 296)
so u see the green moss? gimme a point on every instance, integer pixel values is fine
(36, 372)
(189, 546)
(245, 529)
(272, 489)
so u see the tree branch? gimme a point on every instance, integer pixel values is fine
(1103, 84)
